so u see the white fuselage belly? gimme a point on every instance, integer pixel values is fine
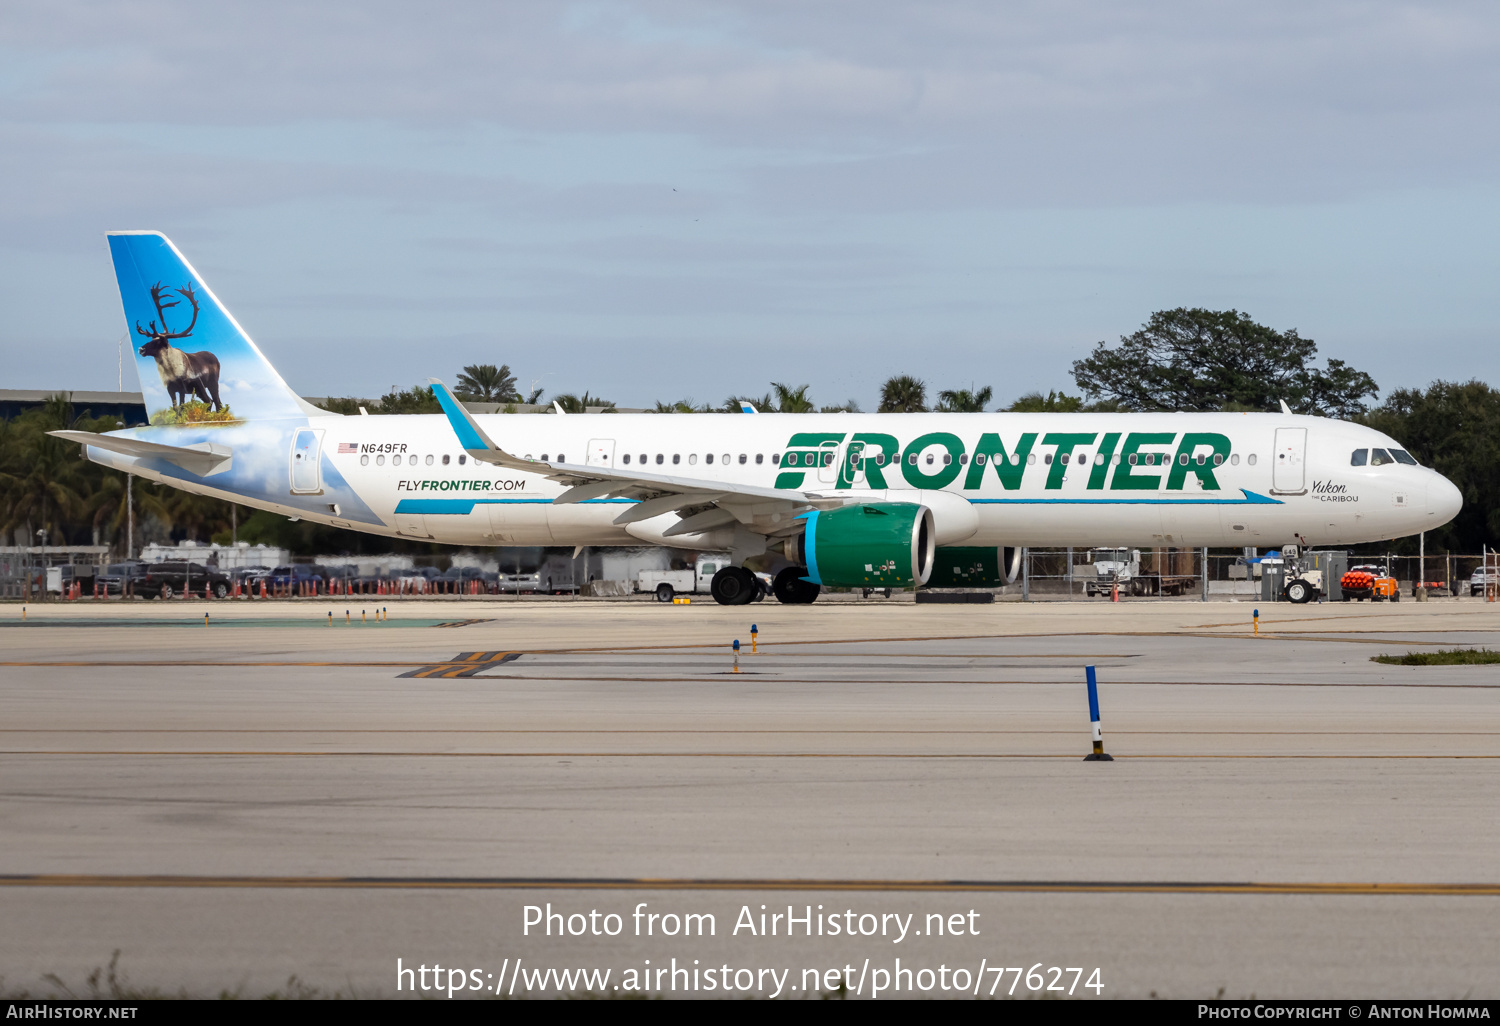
(1093, 500)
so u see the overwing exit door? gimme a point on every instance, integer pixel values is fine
(307, 447)
(601, 452)
(1289, 467)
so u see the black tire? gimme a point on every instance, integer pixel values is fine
(1299, 592)
(220, 590)
(166, 591)
(760, 590)
(664, 592)
(1395, 596)
(733, 586)
(792, 589)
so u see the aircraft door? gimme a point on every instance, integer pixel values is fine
(307, 447)
(1289, 470)
(601, 452)
(828, 462)
(852, 469)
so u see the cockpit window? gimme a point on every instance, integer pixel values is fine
(1402, 456)
(1359, 457)
(1379, 458)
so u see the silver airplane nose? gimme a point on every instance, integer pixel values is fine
(1444, 500)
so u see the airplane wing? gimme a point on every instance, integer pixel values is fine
(702, 504)
(201, 458)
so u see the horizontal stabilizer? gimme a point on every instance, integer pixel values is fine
(202, 458)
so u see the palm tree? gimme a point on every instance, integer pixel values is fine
(683, 405)
(792, 400)
(961, 400)
(486, 383)
(903, 394)
(851, 406)
(44, 478)
(580, 403)
(765, 404)
(535, 396)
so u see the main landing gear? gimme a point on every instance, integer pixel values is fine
(734, 586)
(790, 587)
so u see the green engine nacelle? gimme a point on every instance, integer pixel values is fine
(961, 566)
(876, 545)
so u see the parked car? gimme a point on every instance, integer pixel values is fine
(1480, 579)
(294, 577)
(122, 578)
(518, 583)
(183, 577)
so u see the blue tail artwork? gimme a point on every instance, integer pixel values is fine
(197, 366)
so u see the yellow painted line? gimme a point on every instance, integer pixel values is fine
(750, 884)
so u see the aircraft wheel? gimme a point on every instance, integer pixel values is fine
(760, 591)
(792, 589)
(733, 586)
(664, 593)
(1298, 592)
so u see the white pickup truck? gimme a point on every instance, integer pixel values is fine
(669, 583)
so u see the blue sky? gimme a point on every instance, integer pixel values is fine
(659, 200)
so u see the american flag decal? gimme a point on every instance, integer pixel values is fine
(348, 447)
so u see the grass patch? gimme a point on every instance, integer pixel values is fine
(1443, 657)
(194, 411)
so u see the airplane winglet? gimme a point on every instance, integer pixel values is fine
(470, 434)
(747, 408)
(1285, 408)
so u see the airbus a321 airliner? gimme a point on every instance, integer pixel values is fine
(838, 500)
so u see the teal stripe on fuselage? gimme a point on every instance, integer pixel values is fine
(463, 507)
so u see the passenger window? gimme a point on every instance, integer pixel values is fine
(1359, 457)
(561, 458)
(911, 458)
(963, 459)
(429, 459)
(708, 457)
(929, 459)
(462, 460)
(643, 457)
(880, 459)
(544, 457)
(1065, 458)
(445, 459)
(396, 460)
(380, 461)
(1133, 459)
(1047, 459)
(692, 459)
(625, 459)
(978, 458)
(1218, 459)
(660, 459)
(1182, 459)
(1098, 459)
(1402, 456)
(676, 458)
(760, 458)
(726, 457)
(1234, 459)
(1030, 459)
(1379, 458)
(743, 458)
(1250, 460)
(364, 461)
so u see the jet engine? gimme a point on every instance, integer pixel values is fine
(961, 566)
(875, 545)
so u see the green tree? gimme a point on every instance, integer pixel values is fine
(1193, 359)
(1052, 402)
(1454, 428)
(765, 404)
(580, 403)
(963, 400)
(684, 405)
(847, 406)
(414, 400)
(903, 394)
(486, 383)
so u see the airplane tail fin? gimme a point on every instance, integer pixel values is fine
(197, 366)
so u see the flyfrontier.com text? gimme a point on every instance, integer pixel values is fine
(690, 976)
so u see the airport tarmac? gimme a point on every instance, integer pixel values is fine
(270, 795)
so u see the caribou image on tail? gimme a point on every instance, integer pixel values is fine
(184, 374)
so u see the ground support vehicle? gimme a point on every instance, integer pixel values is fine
(1481, 580)
(1370, 581)
(696, 580)
(1120, 569)
(182, 577)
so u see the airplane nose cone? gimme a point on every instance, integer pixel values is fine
(1444, 500)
